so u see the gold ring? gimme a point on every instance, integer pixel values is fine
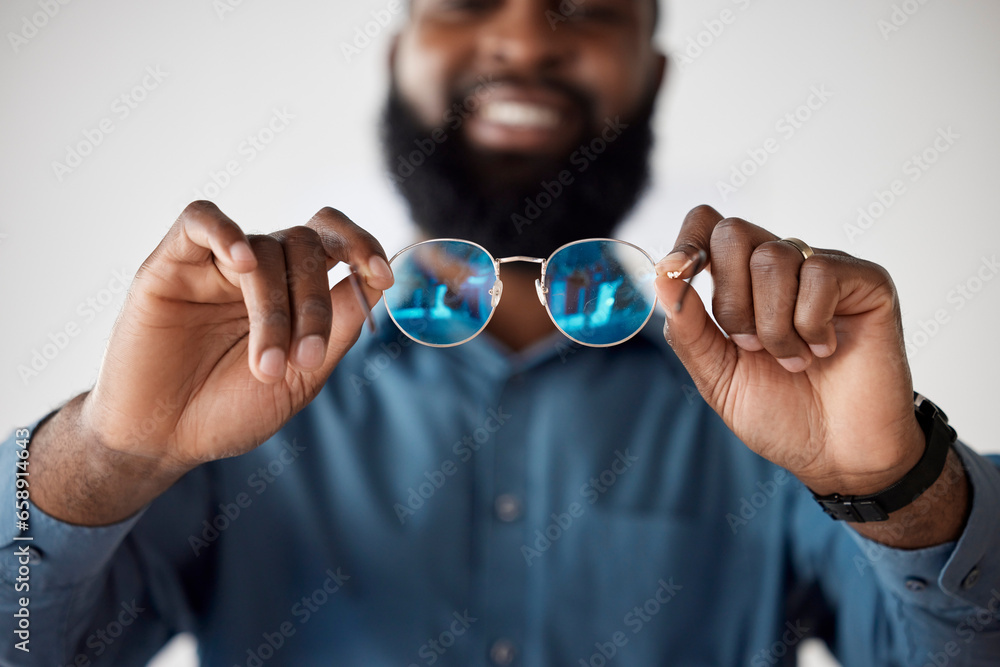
(801, 246)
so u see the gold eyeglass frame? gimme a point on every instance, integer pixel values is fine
(541, 289)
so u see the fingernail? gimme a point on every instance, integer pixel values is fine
(241, 252)
(822, 351)
(674, 265)
(793, 364)
(310, 352)
(378, 268)
(272, 363)
(748, 342)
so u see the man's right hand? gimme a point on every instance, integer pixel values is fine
(222, 339)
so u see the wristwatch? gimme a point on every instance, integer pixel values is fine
(877, 506)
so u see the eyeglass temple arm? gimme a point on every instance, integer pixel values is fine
(699, 263)
(360, 296)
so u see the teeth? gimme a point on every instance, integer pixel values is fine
(520, 114)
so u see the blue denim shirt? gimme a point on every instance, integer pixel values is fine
(468, 506)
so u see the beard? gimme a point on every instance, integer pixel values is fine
(513, 204)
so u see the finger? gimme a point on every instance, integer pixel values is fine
(694, 236)
(698, 342)
(266, 295)
(835, 284)
(203, 231)
(344, 241)
(774, 272)
(309, 297)
(819, 294)
(348, 318)
(733, 300)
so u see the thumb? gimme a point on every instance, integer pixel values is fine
(698, 342)
(352, 305)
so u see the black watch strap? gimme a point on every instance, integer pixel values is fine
(877, 506)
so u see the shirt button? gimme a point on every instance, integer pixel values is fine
(915, 584)
(971, 578)
(34, 556)
(502, 652)
(507, 507)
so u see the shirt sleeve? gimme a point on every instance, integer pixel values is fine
(958, 574)
(71, 591)
(934, 606)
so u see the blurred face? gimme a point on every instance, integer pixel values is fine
(536, 113)
(559, 69)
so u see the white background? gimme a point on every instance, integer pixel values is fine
(62, 241)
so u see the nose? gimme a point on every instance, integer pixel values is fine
(521, 39)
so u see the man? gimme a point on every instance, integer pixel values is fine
(247, 469)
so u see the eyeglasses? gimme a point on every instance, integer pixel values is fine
(598, 292)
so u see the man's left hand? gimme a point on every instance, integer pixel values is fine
(807, 365)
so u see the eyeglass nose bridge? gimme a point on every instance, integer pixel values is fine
(540, 289)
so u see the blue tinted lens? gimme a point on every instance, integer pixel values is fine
(600, 292)
(442, 291)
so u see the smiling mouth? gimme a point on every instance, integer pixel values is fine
(520, 115)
